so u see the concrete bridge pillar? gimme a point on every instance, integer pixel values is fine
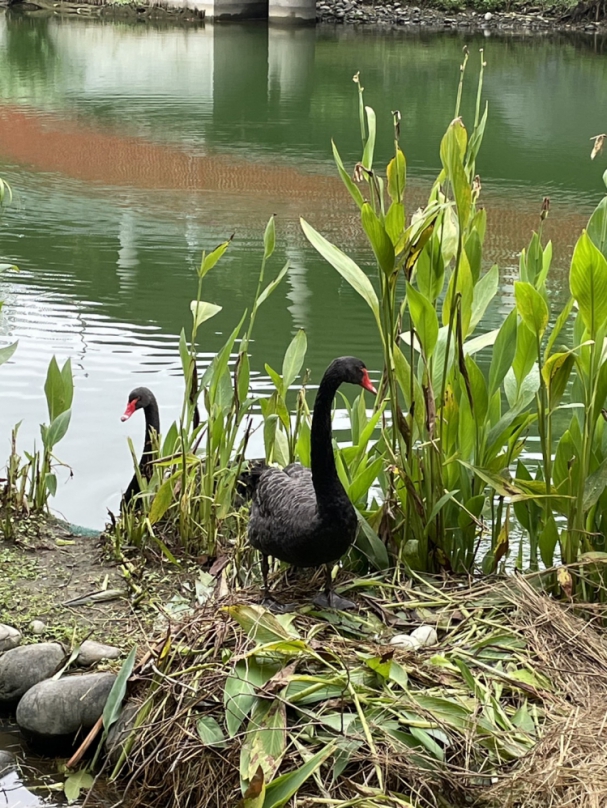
(292, 11)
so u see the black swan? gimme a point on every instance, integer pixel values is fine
(142, 398)
(304, 516)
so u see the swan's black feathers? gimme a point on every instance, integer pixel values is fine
(285, 522)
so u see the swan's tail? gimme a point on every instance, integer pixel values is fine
(247, 481)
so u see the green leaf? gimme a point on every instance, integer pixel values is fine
(75, 783)
(293, 361)
(452, 151)
(532, 307)
(597, 226)
(503, 352)
(345, 266)
(58, 388)
(260, 624)
(347, 180)
(56, 431)
(424, 320)
(163, 499)
(588, 283)
(478, 385)
(7, 352)
(271, 286)
(360, 485)
(430, 270)
(594, 486)
(239, 693)
(202, 311)
(256, 791)
(397, 168)
(269, 238)
(113, 705)
(266, 740)
(369, 149)
(280, 791)
(209, 261)
(210, 732)
(380, 241)
(370, 545)
(484, 292)
(547, 541)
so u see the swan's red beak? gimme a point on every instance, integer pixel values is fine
(366, 383)
(130, 409)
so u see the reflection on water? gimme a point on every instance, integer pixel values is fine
(132, 149)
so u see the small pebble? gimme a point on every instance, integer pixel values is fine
(488, 16)
(425, 636)
(405, 641)
(37, 627)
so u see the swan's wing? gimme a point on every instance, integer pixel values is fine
(284, 506)
(298, 472)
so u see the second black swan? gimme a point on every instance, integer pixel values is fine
(141, 398)
(304, 516)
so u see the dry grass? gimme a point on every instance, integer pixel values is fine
(508, 710)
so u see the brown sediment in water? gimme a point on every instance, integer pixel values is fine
(49, 142)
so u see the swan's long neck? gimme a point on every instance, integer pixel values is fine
(152, 424)
(324, 473)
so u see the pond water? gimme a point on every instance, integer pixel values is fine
(131, 149)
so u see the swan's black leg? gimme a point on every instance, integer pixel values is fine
(268, 602)
(329, 599)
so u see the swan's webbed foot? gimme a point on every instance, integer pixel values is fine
(277, 608)
(330, 600)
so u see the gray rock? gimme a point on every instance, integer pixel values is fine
(7, 763)
(120, 731)
(22, 668)
(488, 16)
(62, 707)
(9, 637)
(37, 626)
(92, 652)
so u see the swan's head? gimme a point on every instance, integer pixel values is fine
(139, 398)
(352, 370)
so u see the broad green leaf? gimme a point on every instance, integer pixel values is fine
(255, 794)
(346, 179)
(269, 238)
(370, 545)
(588, 283)
(452, 151)
(430, 270)
(239, 693)
(597, 226)
(503, 352)
(56, 431)
(547, 541)
(558, 327)
(260, 624)
(163, 499)
(345, 266)
(58, 391)
(478, 385)
(556, 373)
(424, 320)
(397, 168)
(75, 783)
(209, 732)
(484, 292)
(209, 261)
(113, 705)
(280, 790)
(474, 252)
(525, 356)
(369, 149)
(380, 241)
(50, 480)
(265, 740)
(532, 307)
(395, 221)
(202, 311)
(293, 361)
(7, 352)
(360, 485)
(594, 486)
